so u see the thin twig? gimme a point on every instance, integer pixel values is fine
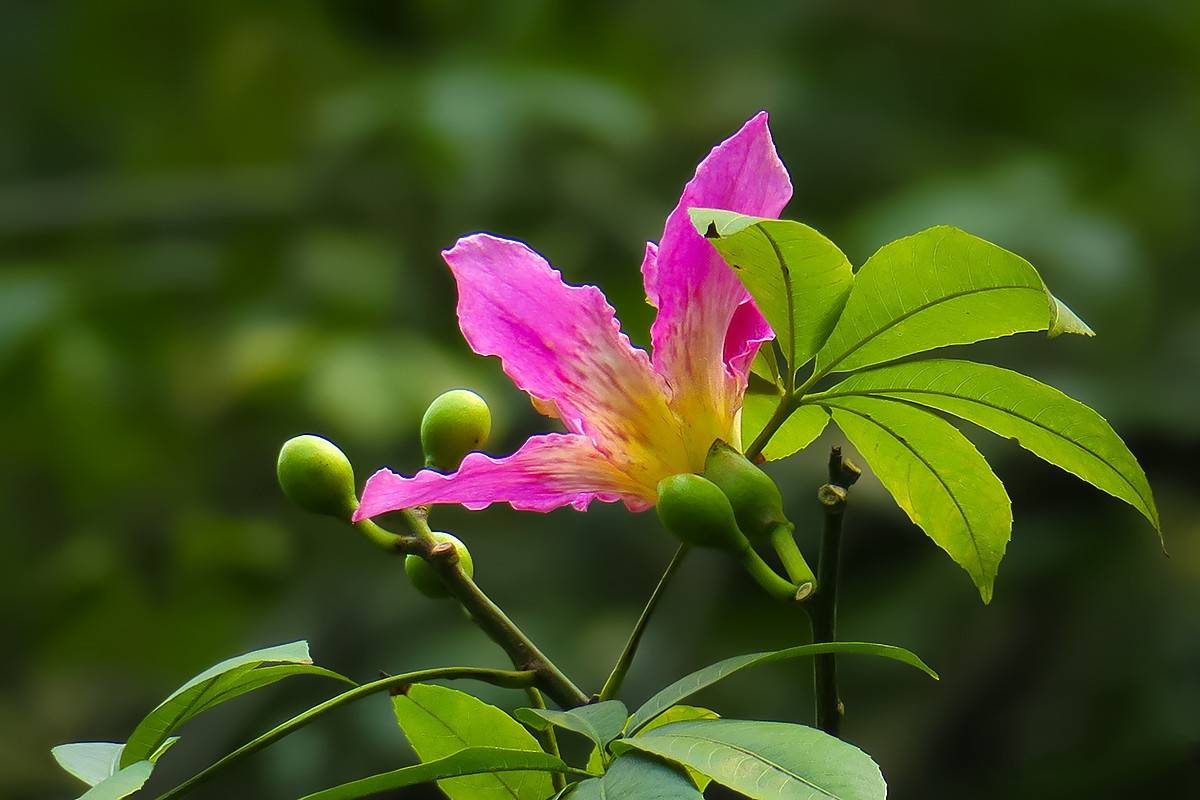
(617, 676)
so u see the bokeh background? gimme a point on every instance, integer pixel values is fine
(220, 224)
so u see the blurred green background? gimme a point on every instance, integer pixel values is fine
(220, 224)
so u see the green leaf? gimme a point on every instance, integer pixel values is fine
(765, 365)
(599, 722)
(799, 431)
(682, 714)
(797, 277)
(636, 777)
(767, 760)
(939, 287)
(93, 762)
(225, 681)
(472, 761)
(122, 784)
(678, 713)
(439, 721)
(688, 685)
(936, 475)
(1042, 419)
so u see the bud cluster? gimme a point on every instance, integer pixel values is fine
(731, 507)
(317, 477)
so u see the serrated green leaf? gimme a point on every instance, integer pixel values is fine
(636, 777)
(767, 760)
(472, 761)
(939, 287)
(599, 722)
(122, 784)
(224, 681)
(688, 685)
(438, 721)
(798, 278)
(936, 475)
(1042, 419)
(799, 431)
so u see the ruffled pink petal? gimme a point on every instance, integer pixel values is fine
(547, 472)
(697, 295)
(563, 345)
(747, 331)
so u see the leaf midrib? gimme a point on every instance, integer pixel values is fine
(912, 312)
(786, 274)
(882, 394)
(928, 466)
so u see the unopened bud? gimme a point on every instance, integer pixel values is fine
(317, 476)
(456, 423)
(698, 513)
(756, 500)
(425, 578)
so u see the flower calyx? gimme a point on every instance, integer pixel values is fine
(756, 500)
(698, 513)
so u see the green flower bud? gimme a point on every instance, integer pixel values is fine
(425, 578)
(317, 476)
(698, 513)
(456, 423)
(757, 503)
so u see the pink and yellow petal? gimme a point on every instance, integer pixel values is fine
(704, 336)
(562, 344)
(547, 472)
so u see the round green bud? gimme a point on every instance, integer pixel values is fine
(317, 476)
(456, 423)
(756, 500)
(698, 513)
(425, 578)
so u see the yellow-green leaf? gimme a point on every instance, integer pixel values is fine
(799, 431)
(1042, 419)
(798, 278)
(766, 760)
(936, 475)
(939, 287)
(439, 721)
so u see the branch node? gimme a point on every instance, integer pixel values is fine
(831, 496)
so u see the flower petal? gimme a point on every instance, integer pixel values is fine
(747, 330)
(563, 345)
(547, 472)
(696, 293)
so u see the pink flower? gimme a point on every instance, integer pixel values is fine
(632, 419)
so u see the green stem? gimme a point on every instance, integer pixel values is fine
(787, 404)
(617, 676)
(769, 579)
(498, 677)
(488, 616)
(823, 608)
(784, 543)
(548, 738)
